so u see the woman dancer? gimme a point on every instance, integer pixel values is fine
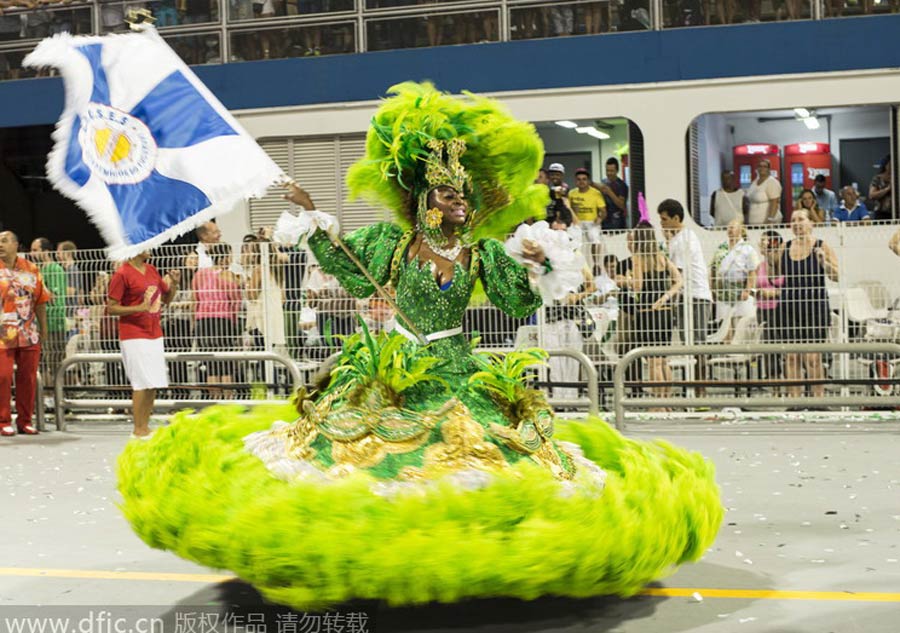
(422, 471)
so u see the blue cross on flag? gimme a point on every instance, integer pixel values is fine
(143, 146)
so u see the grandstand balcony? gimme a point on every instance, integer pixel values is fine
(216, 32)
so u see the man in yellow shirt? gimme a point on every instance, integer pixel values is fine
(587, 203)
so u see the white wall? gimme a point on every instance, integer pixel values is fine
(618, 137)
(714, 136)
(235, 224)
(558, 140)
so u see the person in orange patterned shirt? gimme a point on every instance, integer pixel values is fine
(23, 325)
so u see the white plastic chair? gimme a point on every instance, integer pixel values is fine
(721, 335)
(877, 292)
(747, 331)
(860, 308)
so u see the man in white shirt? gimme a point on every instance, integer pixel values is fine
(208, 233)
(687, 254)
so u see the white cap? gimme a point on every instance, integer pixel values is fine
(556, 167)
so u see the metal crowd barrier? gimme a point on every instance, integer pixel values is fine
(622, 402)
(62, 402)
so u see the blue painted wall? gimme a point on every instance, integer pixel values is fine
(655, 56)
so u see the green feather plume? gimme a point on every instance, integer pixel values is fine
(502, 157)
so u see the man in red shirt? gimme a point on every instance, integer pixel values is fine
(136, 295)
(23, 326)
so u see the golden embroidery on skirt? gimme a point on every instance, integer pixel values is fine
(464, 448)
(548, 457)
(370, 450)
(301, 434)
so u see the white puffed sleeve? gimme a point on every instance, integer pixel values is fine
(292, 229)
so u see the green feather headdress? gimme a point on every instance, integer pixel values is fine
(419, 136)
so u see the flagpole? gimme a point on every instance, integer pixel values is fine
(381, 290)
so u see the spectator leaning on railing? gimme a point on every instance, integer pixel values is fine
(655, 282)
(733, 274)
(805, 316)
(23, 327)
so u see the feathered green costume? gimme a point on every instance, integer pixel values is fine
(424, 472)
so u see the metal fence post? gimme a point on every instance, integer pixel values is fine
(40, 413)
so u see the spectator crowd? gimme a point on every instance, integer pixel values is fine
(259, 295)
(762, 202)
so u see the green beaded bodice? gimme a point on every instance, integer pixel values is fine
(422, 300)
(382, 249)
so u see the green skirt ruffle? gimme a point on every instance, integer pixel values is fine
(194, 490)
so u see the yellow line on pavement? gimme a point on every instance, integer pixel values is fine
(664, 592)
(773, 594)
(113, 575)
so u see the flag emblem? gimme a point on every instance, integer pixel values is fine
(116, 146)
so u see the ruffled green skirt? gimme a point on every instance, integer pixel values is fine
(194, 490)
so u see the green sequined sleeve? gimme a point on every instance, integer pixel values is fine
(373, 245)
(505, 280)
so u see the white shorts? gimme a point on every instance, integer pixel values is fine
(145, 363)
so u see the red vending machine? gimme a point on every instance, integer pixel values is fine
(746, 158)
(802, 163)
